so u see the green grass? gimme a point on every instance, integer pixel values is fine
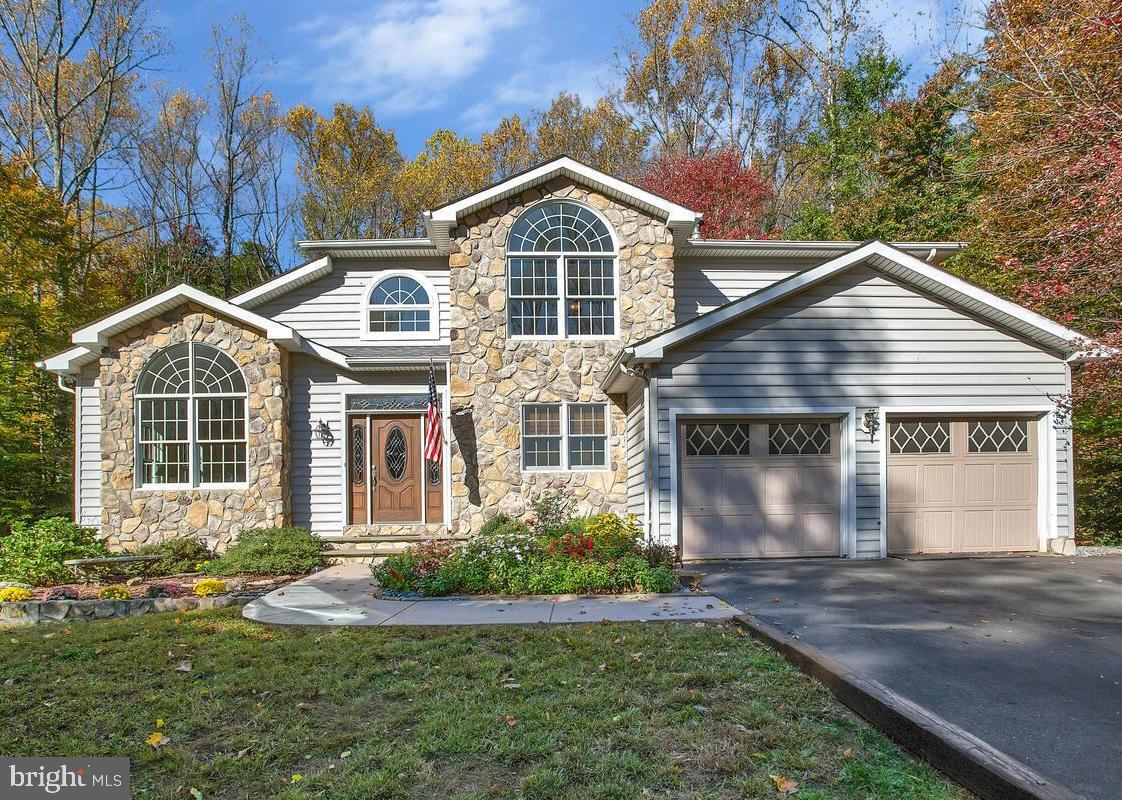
(598, 711)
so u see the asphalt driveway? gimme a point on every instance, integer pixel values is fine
(1025, 653)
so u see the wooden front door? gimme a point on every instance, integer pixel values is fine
(396, 477)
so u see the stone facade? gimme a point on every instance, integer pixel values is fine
(131, 516)
(492, 375)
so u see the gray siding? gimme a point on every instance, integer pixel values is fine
(861, 340)
(317, 469)
(636, 454)
(88, 437)
(702, 284)
(330, 310)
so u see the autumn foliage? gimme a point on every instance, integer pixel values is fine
(730, 195)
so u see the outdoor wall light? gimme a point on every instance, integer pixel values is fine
(871, 424)
(324, 434)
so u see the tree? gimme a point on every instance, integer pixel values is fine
(38, 249)
(1050, 168)
(732, 197)
(246, 120)
(346, 164)
(510, 148)
(601, 136)
(448, 167)
(842, 151)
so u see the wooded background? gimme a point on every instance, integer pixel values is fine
(776, 118)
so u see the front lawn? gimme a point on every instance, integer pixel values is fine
(240, 710)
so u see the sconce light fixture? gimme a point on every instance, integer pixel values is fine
(324, 434)
(871, 424)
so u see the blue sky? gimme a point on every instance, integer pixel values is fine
(464, 64)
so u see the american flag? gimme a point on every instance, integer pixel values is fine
(433, 438)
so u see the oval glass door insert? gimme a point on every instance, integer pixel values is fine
(396, 453)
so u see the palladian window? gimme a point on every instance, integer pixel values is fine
(191, 429)
(562, 273)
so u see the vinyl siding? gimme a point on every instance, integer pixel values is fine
(330, 310)
(702, 284)
(317, 469)
(88, 468)
(861, 340)
(636, 454)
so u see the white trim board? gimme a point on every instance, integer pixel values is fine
(847, 546)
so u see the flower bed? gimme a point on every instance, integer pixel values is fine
(553, 553)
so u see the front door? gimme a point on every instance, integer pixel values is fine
(395, 469)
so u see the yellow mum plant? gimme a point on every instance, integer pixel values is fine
(210, 587)
(113, 592)
(14, 594)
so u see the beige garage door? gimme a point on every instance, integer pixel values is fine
(962, 485)
(760, 489)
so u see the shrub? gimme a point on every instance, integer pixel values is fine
(162, 589)
(177, 556)
(613, 536)
(552, 513)
(404, 571)
(113, 592)
(62, 593)
(14, 594)
(660, 554)
(209, 587)
(34, 553)
(573, 545)
(270, 551)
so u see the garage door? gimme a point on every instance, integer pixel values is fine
(962, 485)
(760, 489)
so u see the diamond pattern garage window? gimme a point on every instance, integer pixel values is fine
(717, 439)
(798, 439)
(920, 437)
(998, 436)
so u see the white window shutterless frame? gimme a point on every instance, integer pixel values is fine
(192, 425)
(565, 437)
(563, 275)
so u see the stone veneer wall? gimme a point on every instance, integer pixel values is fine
(132, 517)
(492, 375)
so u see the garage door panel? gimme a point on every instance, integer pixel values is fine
(980, 483)
(817, 486)
(936, 483)
(962, 485)
(1016, 483)
(819, 533)
(763, 500)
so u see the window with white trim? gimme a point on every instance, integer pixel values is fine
(562, 273)
(399, 306)
(564, 436)
(191, 418)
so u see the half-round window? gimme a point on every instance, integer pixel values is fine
(399, 305)
(191, 430)
(562, 273)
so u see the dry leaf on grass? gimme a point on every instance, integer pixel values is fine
(157, 739)
(511, 720)
(784, 785)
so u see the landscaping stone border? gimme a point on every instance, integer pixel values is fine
(31, 612)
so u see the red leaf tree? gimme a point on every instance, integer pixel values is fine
(732, 197)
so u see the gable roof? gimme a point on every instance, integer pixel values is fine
(896, 263)
(90, 339)
(441, 221)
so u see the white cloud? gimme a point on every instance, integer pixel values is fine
(532, 88)
(404, 56)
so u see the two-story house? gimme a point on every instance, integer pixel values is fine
(743, 398)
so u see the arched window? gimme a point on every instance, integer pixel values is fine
(398, 306)
(191, 426)
(551, 236)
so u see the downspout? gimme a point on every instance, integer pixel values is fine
(59, 379)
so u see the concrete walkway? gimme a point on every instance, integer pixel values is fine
(345, 595)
